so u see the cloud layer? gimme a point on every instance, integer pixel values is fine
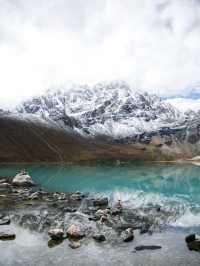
(152, 44)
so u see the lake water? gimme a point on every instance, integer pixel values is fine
(173, 187)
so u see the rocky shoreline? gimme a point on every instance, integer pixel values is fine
(76, 217)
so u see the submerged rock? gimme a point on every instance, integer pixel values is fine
(74, 232)
(23, 179)
(7, 235)
(53, 243)
(30, 221)
(56, 234)
(127, 235)
(74, 244)
(194, 245)
(4, 220)
(149, 247)
(99, 237)
(190, 238)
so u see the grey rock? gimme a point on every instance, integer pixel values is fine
(5, 221)
(56, 234)
(74, 232)
(99, 237)
(101, 202)
(23, 179)
(127, 235)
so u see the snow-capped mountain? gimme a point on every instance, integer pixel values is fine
(107, 121)
(111, 109)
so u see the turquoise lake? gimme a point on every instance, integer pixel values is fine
(174, 187)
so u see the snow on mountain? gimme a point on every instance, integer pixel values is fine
(111, 109)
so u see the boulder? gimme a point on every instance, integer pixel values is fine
(193, 242)
(23, 179)
(7, 235)
(127, 235)
(56, 234)
(99, 237)
(74, 232)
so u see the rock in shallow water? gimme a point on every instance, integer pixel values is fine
(149, 247)
(193, 242)
(190, 238)
(53, 243)
(74, 244)
(127, 235)
(23, 179)
(74, 232)
(56, 234)
(5, 221)
(7, 235)
(99, 237)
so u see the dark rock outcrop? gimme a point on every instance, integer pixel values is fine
(7, 235)
(193, 242)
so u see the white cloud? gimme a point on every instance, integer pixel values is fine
(184, 104)
(152, 44)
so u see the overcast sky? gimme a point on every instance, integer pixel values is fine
(152, 44)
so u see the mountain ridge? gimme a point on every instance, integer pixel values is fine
(109, 109)
(104, 122)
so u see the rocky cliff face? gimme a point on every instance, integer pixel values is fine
(108, 121)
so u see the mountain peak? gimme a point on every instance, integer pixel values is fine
(107, 108)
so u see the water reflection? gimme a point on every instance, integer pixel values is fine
(168, 179)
